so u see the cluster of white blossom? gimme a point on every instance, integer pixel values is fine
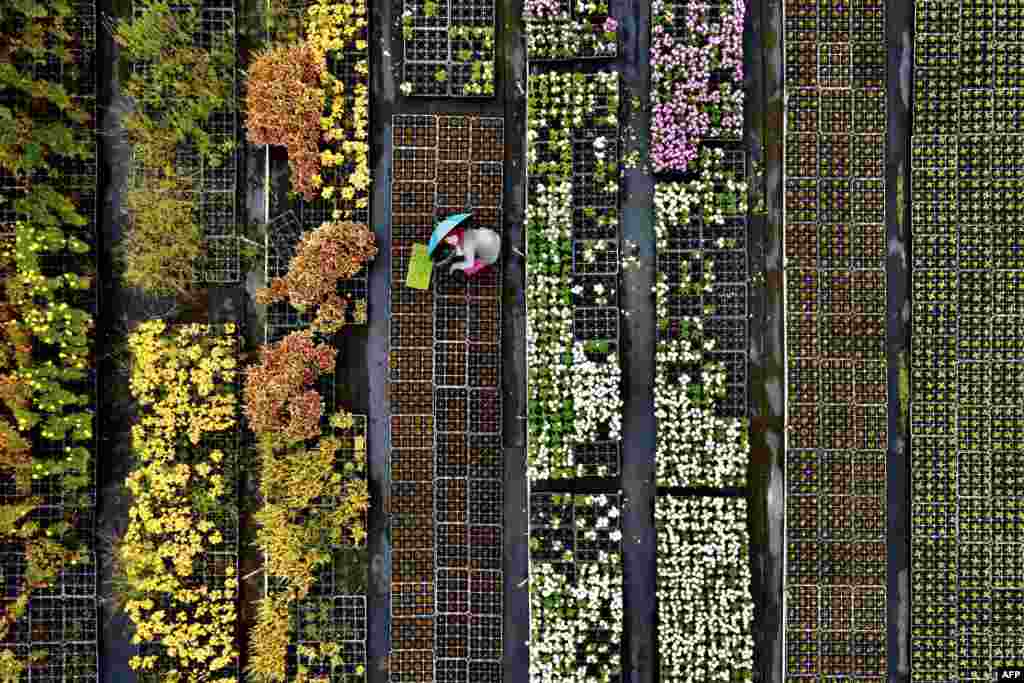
(597, 400)
(587, 610)
(715, 194)
(705, 608)
(572, 400)
(694, 446)
(552, 33)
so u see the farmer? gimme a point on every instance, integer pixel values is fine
(478, 247)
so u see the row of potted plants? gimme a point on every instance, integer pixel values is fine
(573, 381)
(185, 383)
(695, 446)
(181, 129)
(576, 609)
(312, 526)
(836, 515)
(705, 609)
(446, 413)
(957, 517)
(570, 29)
(448, 53)
(47, 308)
(326, 130)
(696, 78)
(415, 462)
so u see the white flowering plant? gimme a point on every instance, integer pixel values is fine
(705, 608)
(573, 385)
(695, 446)
(562, 29)
(576, 607)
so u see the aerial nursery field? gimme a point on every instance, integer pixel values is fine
(662, 438)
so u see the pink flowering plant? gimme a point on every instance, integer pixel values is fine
(568, 29)
(696, 79)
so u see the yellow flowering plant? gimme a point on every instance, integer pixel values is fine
(45, 349)
(184, 382)
(315, 501)
(41, 395)
(337, 30)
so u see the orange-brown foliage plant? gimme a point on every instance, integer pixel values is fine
(15, 450)
(285, 101)
(280, 392)
(333, 252)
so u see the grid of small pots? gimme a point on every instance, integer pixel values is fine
(577, 538)
(449, 48)
(445, 369)
(469, 596)
(836, 553)
(323, 617)
(56, 635)
(966, 288)
(835, 306)
(582, 151)
(566, 30)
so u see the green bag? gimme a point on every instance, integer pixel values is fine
(420, 268)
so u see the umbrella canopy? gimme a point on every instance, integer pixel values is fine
(443, 228)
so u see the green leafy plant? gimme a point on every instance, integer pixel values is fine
(164, 237)
(179, 85)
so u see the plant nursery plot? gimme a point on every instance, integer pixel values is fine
(572, 278)
(327, 627)
(835, 294)
(691, 101)
(313, 520)
(705, 609)
(340, 188)
(576, 612)
(179, 554)
(445, 427)
(48, 235)
(209, 174)
(449, 48)
(966, 575)
(701, 372)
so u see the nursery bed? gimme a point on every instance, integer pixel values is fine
(60, 620)
(446, 466)
(965, 416)
(837, 412)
